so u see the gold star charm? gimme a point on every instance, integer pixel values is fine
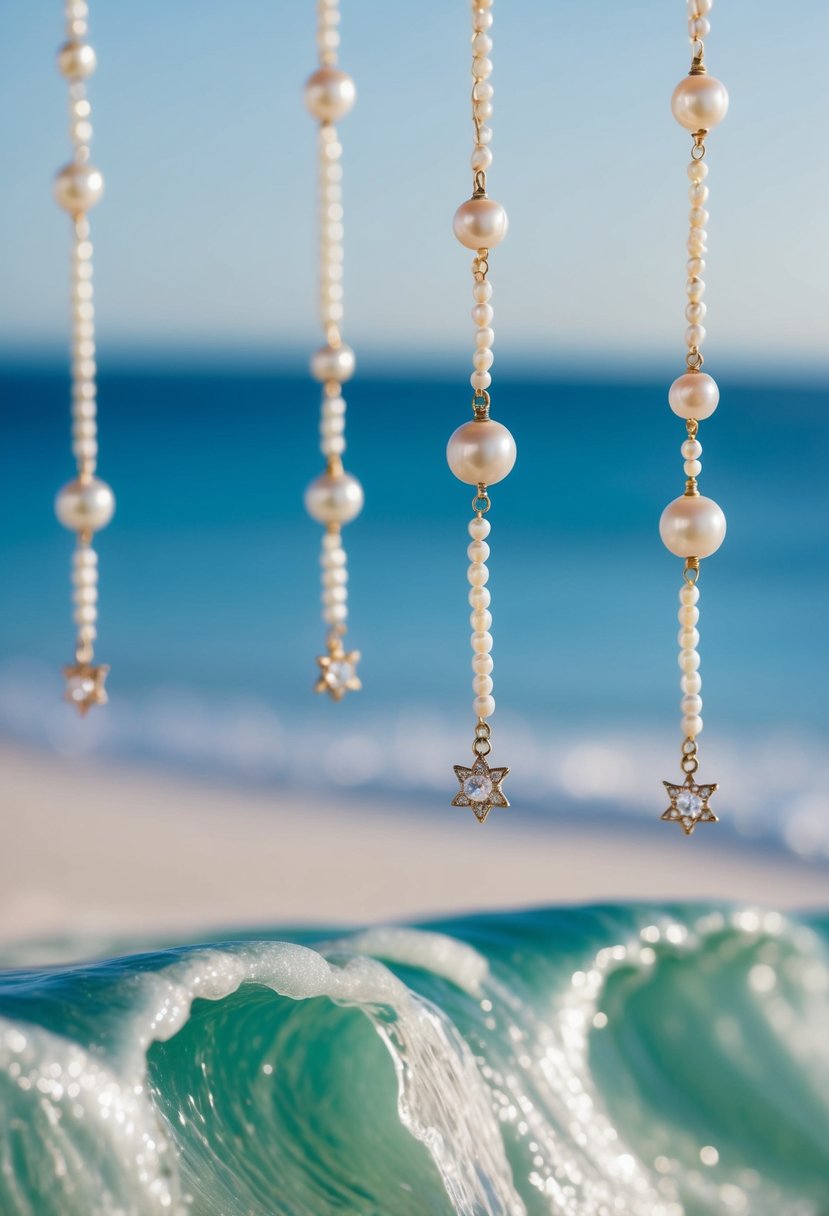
(338, 671)
(689, 805)
(480, 787)
(85, 685)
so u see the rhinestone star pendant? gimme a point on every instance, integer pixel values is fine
(85, 685)
(689, 805)
(338, 671)
(480, 787)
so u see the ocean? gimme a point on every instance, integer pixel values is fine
(210, 599)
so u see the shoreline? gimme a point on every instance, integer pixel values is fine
(95, 848)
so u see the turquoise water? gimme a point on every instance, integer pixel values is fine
(632, 1060)
(209, 591)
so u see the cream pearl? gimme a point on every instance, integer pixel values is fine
(689, 594)
(477, 551)
(480, 223)
(691, 682)
(481, 642)
(699, 102)
(334, 498)
(688, 660)
(329, 94)
(691, 704)
(86, 505)
(692, 526)
(691, 726)
(480, 620)
(694, 395)
(482, 685)
(478, 574)
(76, 60)
(333, 363)
(481, 452)
(479, 528)
(482, 664)
(479, 597)
(483, 707)
(78, 187)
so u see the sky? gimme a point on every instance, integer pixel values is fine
(205, 240)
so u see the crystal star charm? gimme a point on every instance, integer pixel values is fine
(689, 805)
(85, 685)
(480, 787)
(338, 671)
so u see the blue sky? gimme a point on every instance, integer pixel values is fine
(205, 239)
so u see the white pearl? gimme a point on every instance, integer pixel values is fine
(482, 664)
(333, 363)
(481, 452)
(483, 707)
(695, 267)
(481, 67)
(480, 223)
(691, 704)
(481, 642)
(334, 498)
(689, 593)
(479, 528)
(692, 468)
(335, 614)
(479, 597)
(482, 685)
(478, 574)
(695, 289)
(688, 639)
(691, 726)
(86, 505)
(699, 102)
(481, 20)
(482, 291)
(484, 338)
(694, 395)
(477, 551)
(698, 194)
(688, 615)
(482, 315)
(697, 170)
(699, 28)
(692, 449)
(480, 381)
(76, 60)
(481, 158)
(689, 660)
(698, 217)
(480, 620)
(482, 359)
(695, 335)
(691, 682)
(85, 595)
(692, 526)
(78, 187)
(481, 44)
(329, 94)
(695, 312)
(85, 556)
(85, 614)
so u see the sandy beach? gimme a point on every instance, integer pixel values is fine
(92, 849)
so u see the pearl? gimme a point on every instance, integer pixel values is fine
(478, 574)
(691, 682)
(698, 217)
(329, 94)
(76, 60)
(694, 395)
(480, 381)
(480, 223)
(77, 188)
(480, 620)
(481, 642)
(695, 289)
(481, 452)
(477, 551)
(699, 102)
(482, 315)
(692, 468)
(86, 505)
(688, 638)
(482, 292)
(695, 312)
(482, 664)
(689, 660)
(688, 615)
(691, 704)
(689, 593)
(479, 528)
(333, 363)
(482, 359)
(697, 170)
(479, 597)
(484, 338)
(692, 449)
(692, 526)
(691, 726)
(481, 158)
(334, 498)
(483, 707)
(695, 335)
(482, 685)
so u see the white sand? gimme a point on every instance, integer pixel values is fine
(94, 850)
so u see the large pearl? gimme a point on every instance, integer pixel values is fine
(694, 395)
(78, 187)
(329, 94)
(86, 505)
(333, 363)
(76, 60)
(481, 451)
(692, 526)
(699, 102)
(480, 223)
(334, 498)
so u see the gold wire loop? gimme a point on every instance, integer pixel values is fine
(479, 184)
(692, 427)
(481, 402)
(480, 265)
(481, 502)
(691, 572)
(694, 359)
(698, 150)
(481, 745)
(689, 762)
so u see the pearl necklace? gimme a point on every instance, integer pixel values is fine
(335, 497)
(86, 504)
(481, 452)
(692, 526)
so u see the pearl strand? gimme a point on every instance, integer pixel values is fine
(335, 497)
(86, 504)
(480, 618)
(689, 660)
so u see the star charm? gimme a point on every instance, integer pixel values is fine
(85, 686)
(480, 787)
(338, 671)
(689, 805)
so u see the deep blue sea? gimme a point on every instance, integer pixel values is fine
(210, 599)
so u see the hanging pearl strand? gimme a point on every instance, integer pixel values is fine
(692, 526)
(335, 497)
(481, 452)
(86, 504)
